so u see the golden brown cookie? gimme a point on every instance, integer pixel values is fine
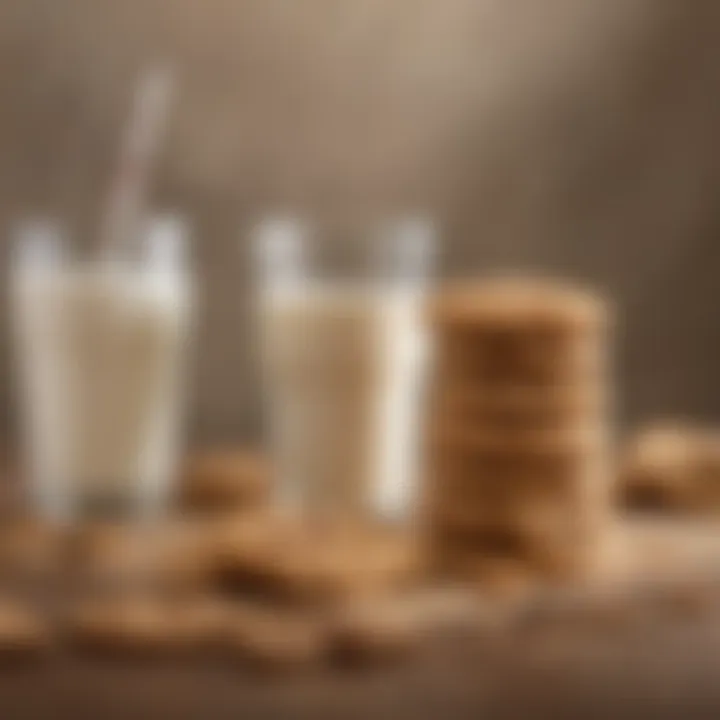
(29, 547)
(225, 480)
(275, 641)
(706, 474)
(126, 625)
(177, 555)
(518, 302)
(658, 470)
(23, 630)
(373, 633)
(518, 409)
(519, 360)
(309, 563)
(203, 621)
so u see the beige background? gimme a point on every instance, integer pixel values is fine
(573, 135)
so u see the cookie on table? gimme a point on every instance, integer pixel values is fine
(222, 479)
(250, 547)
(137, 626)
(658, 469)
(23, 630)
(175, 555)
(186, 556)
(203, 621)
(372, 633)
(316, 563)
(29, 547)
(275, 641)
(706, 473)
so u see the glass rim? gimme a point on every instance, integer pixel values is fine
(161, 240)
(295, 248)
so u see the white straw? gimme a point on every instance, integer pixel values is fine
(138, 152)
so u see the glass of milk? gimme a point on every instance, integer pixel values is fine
(342, 357)
(100, 346)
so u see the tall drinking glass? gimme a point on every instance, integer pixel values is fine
(100, 348)
(342, 354)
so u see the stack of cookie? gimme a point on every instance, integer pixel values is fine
(517, 436)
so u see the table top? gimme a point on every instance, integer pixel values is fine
(642, 670)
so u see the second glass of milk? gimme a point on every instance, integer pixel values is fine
(342, 356)
(100, 348)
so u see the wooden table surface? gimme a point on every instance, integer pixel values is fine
(646, 670)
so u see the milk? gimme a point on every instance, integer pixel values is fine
(100, 349)
(343, 375)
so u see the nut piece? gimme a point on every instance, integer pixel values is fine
(225, 479)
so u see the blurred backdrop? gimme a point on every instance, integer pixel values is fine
(578, 136)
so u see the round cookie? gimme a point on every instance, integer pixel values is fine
(29, 549)
(518, 409)
(315, 563)
(225, 479)
(274, 641)
(203, 622)
(174, 556)
(137, 626)
(373, 633)
(657, 471)
(517, 302)
(23, 631)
